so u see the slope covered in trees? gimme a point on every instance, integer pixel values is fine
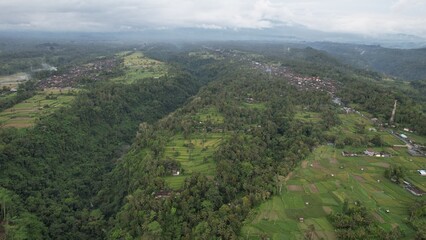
(261, 143)
(51, 173)
(215, 136)
(405, 64)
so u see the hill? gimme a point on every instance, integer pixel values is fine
(213, 140)
(404, 64)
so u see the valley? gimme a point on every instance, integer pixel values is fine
(210, 141)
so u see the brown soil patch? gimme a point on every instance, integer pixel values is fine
(333, 161)
(383, 164)
(295, 188)
(359, 178)
(337, 183)
(316, 165)
(378, 217)
(304, 164)
(327, 210)
(19, 125)
(313, 188)
(288, 176)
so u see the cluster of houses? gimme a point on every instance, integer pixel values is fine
(71, 78)
(299, 81)
(367, 152)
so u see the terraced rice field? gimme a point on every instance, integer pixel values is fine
(26, 113)
(137, 67)
(12, 81)
(195, 155)
(324, 180)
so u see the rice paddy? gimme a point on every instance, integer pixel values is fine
(137, 66)
(326, 179)
(195, 153)
(26, 113)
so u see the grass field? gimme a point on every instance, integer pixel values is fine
(7, 95)
(24, 114)
(324, 180)
(12, 81)
(257, 106)
(137, 66)
(418, 139)
(194, 154)
(210, 114)
(308, 117)
(205, 55)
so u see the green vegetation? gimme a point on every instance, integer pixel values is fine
(205, 55)
(52, 173)
(209, 144)
(13, 80)
(326, 179)
(195, 155)
(308, 117)
(229, 157)
(137, 66)
(402, 63)
(210, 115)
(26, 113)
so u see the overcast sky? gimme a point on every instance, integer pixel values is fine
(356, 16)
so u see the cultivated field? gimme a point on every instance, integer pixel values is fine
(308, 117)
(210, 115)
(26, 113)
(205, 55)
(12, 81)
(137, 66)
(324, 180)
(195, 155)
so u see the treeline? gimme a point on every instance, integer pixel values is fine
(23, 56)
(355, 222)
(379, 101)
(50, 174)
(405, 64)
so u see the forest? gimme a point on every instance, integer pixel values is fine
(194, 152)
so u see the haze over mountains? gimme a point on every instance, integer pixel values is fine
(283, 32)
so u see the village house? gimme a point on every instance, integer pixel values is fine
(348, 110)
(413, 189)
(369, 152)
(349, 154)
(372, 153)
(175, 172)
(422, 172)
(163, 194)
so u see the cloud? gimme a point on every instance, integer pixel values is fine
(362, 16)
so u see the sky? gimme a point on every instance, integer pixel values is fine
(349, 16)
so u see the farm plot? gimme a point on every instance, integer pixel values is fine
(195, 155)
(12, 81)
(326, 179)
(137, 66)
(308, 117)
(26, 113)
(209, 115)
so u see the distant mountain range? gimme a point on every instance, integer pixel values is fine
(398, 55)
(405, 64)
(280, 32)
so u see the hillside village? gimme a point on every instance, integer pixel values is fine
(72, 77)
